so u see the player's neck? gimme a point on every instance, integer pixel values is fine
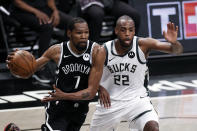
(75, 50)
(121, 50)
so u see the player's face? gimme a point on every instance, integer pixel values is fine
(79, 36)
(125, 32)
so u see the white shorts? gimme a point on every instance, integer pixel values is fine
(137, 112)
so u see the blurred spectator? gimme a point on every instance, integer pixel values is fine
(95, 10)
(41, 16)
(65, 5)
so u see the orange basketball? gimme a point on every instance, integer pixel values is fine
(23, 64)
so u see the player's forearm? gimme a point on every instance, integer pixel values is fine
(40, 62)
(80, 95)
(176, 48)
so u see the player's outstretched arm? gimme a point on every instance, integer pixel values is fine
(171, 46)
(98, 58)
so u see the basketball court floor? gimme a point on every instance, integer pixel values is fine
(173, 96)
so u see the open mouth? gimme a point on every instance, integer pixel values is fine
(127, 41)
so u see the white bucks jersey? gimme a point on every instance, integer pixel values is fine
(124, 75)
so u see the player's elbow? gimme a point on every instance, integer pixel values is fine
(178, 51)
(177, 48)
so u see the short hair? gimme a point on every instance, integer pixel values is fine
(124, 17)
(75, 20)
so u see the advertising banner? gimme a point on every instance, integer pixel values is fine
(155, 14)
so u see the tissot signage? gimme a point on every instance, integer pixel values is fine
(159, 14)
(155, 14)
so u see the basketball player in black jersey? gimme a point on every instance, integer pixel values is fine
(79, 73)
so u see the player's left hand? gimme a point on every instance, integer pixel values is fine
(104, 97)
(171, 34)
(54, 96)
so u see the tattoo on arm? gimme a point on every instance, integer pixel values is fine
(54, 50)
(85, 95)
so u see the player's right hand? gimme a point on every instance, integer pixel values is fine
(104, 97)
(54, 96)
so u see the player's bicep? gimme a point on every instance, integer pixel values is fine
(52, 53)
(97, 68)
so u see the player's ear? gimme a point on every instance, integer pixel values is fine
(116, 30)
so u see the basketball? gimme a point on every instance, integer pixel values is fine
(23, 64)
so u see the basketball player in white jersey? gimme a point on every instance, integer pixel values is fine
(125, 78)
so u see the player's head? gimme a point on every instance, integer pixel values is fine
(125, 30)
(78, 32)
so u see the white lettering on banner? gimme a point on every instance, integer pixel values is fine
(167, 85)
(164, 14)
(162, 86)
(193, 19)
(175, 86)
(3, 102)
(155, 87)
(194, 81)
(193, 84)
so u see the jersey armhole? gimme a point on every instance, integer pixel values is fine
(137, 52)
(106, 57)
(91, 51)
(61, 54)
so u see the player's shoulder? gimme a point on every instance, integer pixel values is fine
(54, 49)
(108, 42)
(98, 48)
(144, 40)
(95, 46)
(56, 46)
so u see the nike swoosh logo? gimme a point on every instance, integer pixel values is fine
(65, 56)
(142, 97)
(112, 59)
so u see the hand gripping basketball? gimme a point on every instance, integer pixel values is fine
(21, 64)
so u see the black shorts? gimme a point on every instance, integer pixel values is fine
(66, 116)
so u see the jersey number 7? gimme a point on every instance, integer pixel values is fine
(77, 82)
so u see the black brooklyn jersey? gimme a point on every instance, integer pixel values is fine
(73, 73)
(73, 70)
